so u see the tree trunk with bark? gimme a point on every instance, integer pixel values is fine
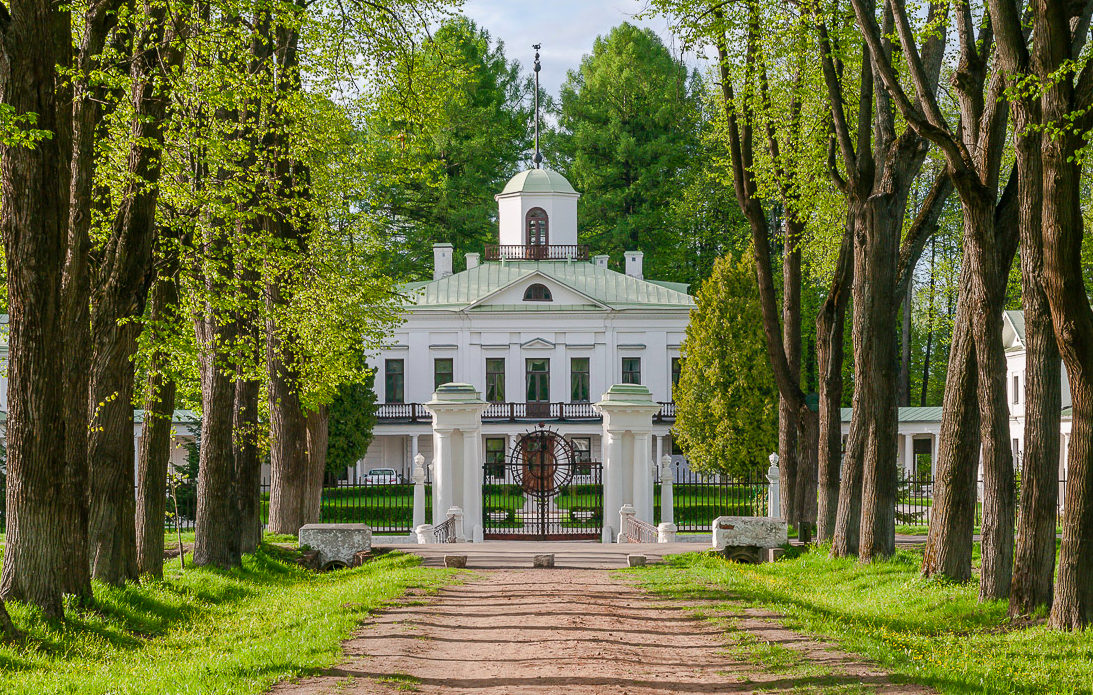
(245, 425)
(952, 515)
(34, 204)
(830, 323)
(121, 282)
(155, 440)
(318, 435)
(1034, 564)
(216, 533)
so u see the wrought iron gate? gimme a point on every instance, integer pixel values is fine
(542, 492)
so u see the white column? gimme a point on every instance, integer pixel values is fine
(667, 496)
(413, 447)
(643, 477)
(933, 453)
(660, 447)
(472, 487)
(419, 490)
(442, 474)
(612, 483)
(909, 453)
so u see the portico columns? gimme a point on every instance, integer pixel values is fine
(627, 411)
(643, 477)
(612, 482)
(457, 471)
(909, 453)
(472, 486)
(442, 472)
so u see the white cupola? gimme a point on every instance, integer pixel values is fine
(537, 207)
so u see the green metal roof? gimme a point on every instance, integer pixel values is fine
(1017, 318)
(908, 414)
(607, 287)
(538, 181)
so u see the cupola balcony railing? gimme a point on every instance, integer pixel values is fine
(537, 252)
(498, 412)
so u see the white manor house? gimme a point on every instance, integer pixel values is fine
(539, 328)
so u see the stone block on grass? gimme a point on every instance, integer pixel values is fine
(455, 561)
(542, 561)
(635, 560)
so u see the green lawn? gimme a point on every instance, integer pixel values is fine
(924, 631)
(205, 631)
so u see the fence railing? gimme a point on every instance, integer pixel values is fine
(638, 531)
(536, 252)
(511, 411)
(445, 532)
(699, 498)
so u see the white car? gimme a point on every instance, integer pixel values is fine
(382, 476)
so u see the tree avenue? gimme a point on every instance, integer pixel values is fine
(886, 130)
(169, 208)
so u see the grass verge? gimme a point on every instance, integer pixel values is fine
(205, 631)
(924, 631)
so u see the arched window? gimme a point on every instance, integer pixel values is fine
(537, 293)
(537, 233)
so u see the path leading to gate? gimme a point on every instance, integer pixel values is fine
(579, 632)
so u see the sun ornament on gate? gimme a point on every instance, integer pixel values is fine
(542, 462)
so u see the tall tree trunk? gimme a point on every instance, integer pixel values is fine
(930, 327)
(155, 440)
(318, 435)
(1070, 310)
(875, 356)
(952, 515)
(830, 323)
(112, 530)
(291, 498)
(988, 291)
(245, 426)
(788, 415)
(216, 536)
(905, 352)
(121, 287)
(35, 40)
(1034, 565)
(87, 113)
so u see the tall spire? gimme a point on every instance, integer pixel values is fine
(537, 157)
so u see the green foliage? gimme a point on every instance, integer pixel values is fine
(925, 631)
(627, 127)
(203, 630)
(459, 160)
(352, 416)
(726, 401)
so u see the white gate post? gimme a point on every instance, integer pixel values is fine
(774, 499)
(667, 530)
(457, 408)
(627, 411)
(667, 495)
(419, 490)
(456, 512)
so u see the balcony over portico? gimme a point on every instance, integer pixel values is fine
(537, 252)
(515, 412)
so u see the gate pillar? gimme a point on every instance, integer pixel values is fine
(457, 474)
(627, 411)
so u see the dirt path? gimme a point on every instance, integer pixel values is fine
(579, 632)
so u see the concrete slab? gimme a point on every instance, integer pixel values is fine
(568, 555)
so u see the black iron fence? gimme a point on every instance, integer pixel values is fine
(388, 505)
(700, 498)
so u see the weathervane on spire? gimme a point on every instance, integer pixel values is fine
(537, 157)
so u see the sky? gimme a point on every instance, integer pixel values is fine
(565, 28)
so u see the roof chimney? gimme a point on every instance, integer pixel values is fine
(472, 260)
(601, 261)
(633, 264)
(442, 261)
